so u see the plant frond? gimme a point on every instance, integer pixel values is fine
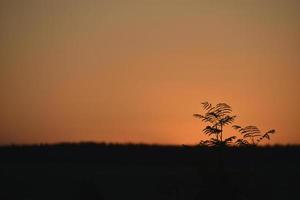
(210, 117)
(204, 143)
(271, 131)
(208, 130)
(198, 116)
(242, 142)
(236, 127)
(213, 142)
(230, 139)
(222, 109)
(206, 105)
(209, 143)
(249, 131)
(226, 142)
(226, 120)
(266, 135)
(251, 135)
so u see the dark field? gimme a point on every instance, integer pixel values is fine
(100, 171)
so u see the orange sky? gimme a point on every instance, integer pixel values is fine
(136, 71)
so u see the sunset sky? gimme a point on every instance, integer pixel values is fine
(136, 71)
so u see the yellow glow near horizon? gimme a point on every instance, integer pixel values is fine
(136, 71)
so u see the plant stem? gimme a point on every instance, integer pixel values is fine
(221, 133)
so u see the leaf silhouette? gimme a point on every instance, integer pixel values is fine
(249, 131)
(208, 130)
(242, 142)
(230, 139)
(266, 136)
(222, 109)
(236, 127)
(198, 116)
(206, 105)
(226, 120)
(271, 131)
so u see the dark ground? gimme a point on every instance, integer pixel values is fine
(100, 171)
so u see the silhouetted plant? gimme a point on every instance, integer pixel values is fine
(219, 116)
(253, 134)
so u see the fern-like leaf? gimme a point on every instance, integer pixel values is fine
(198, 116)
(250, 131)
(230, 139)
(206, 105)
(226, 120)
(236, 127)
(208, 130)
(266, 135)
(210, 117)
(271, 131)
(222, 109)
(242, 142)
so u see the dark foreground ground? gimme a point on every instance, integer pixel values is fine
(99, 171)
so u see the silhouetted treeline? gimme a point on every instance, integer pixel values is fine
(146, 154)
(87, 171)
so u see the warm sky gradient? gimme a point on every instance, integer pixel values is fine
(136, 71)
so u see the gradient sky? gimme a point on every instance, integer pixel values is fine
(136, 71)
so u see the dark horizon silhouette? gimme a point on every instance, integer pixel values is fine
(129, 70)
(135, 171)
